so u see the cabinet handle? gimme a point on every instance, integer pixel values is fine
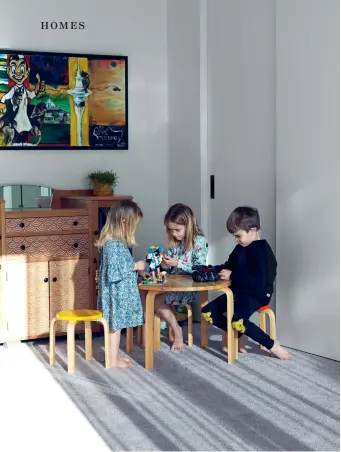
(22, 247)
(75, 245)
(54, 279)
(75, 223)
(22, 225)
(46, 279)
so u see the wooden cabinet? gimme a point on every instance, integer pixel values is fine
(69, 288)
(36, 291)
(48, 262)
(27, 300)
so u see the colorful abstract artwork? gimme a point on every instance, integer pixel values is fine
(60, 101)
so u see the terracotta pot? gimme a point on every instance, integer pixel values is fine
(100, 189)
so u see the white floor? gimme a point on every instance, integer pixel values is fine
(36, 413)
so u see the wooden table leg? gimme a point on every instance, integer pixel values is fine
(149, 346)
(71, 347)
(129, 339)
(88, 340)
(232, 337)
(204, 324)
(157, 332)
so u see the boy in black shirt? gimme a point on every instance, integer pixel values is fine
(251, 268)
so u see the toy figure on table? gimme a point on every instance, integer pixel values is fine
(153, 260)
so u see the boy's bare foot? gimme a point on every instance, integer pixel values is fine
(178, 343)
(242, 341)
(279, 351)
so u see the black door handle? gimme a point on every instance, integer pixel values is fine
(212, 187)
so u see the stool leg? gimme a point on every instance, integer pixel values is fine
(272, 319)
(139, 335)
(157, 332)
(88, 340)
(262, 325)
(106, 342)
(171, 332)
(129, 339)
(53, 342)
(190, 324)
(232, 336)
(224, 341)
(71, 347)
(203, 322)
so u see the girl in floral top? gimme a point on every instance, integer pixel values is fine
(187, 246)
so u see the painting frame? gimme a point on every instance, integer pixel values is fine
(118, 134)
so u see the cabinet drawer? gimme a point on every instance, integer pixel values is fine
(48, 246)
(46, 224)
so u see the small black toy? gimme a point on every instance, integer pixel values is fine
(205, 273)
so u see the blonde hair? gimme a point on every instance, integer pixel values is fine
(182, 215)
(125, 213)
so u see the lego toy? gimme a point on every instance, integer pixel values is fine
(205, 273)
(153, 260)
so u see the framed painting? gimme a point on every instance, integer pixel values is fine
(63, 101)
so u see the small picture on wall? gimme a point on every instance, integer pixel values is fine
(63, 101)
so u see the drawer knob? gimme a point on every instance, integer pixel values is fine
(22, 225)
(75, 245)
(46, 279)
(75, 223)
(96, 233)
(54, 279)
(22, 247)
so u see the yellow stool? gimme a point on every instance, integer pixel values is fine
(72, 317)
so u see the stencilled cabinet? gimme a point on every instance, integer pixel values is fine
(48, 262)
(45, 269)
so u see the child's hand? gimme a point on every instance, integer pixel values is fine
(225, 275)
(170, 261)
(144, 274)
(140, 266)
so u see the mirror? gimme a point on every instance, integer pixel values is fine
(26, 196)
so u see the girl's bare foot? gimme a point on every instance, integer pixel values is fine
(119, 362)
(178, 343)
(242, 344)
(280, 352)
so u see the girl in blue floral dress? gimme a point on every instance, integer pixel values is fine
(187, 247)
(119, 298)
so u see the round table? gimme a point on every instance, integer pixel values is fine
(179, 283)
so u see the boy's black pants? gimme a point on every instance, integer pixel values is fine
(244, 307)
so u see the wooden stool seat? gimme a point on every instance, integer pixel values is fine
(79, 315)
(72, 317)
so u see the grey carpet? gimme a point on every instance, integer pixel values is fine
(195, 401)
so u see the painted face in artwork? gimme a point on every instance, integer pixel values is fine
(17, 69)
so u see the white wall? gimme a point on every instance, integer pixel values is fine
(308, 152)
(183, 33)
(128, 27)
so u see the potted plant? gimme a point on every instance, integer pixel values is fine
(103, 182)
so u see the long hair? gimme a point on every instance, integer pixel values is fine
(182, 215)
(121, 223)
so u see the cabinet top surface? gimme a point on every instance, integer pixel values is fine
(34, 212)
(98, 198)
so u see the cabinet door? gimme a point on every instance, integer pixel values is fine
(69, 288)
(27, 300)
